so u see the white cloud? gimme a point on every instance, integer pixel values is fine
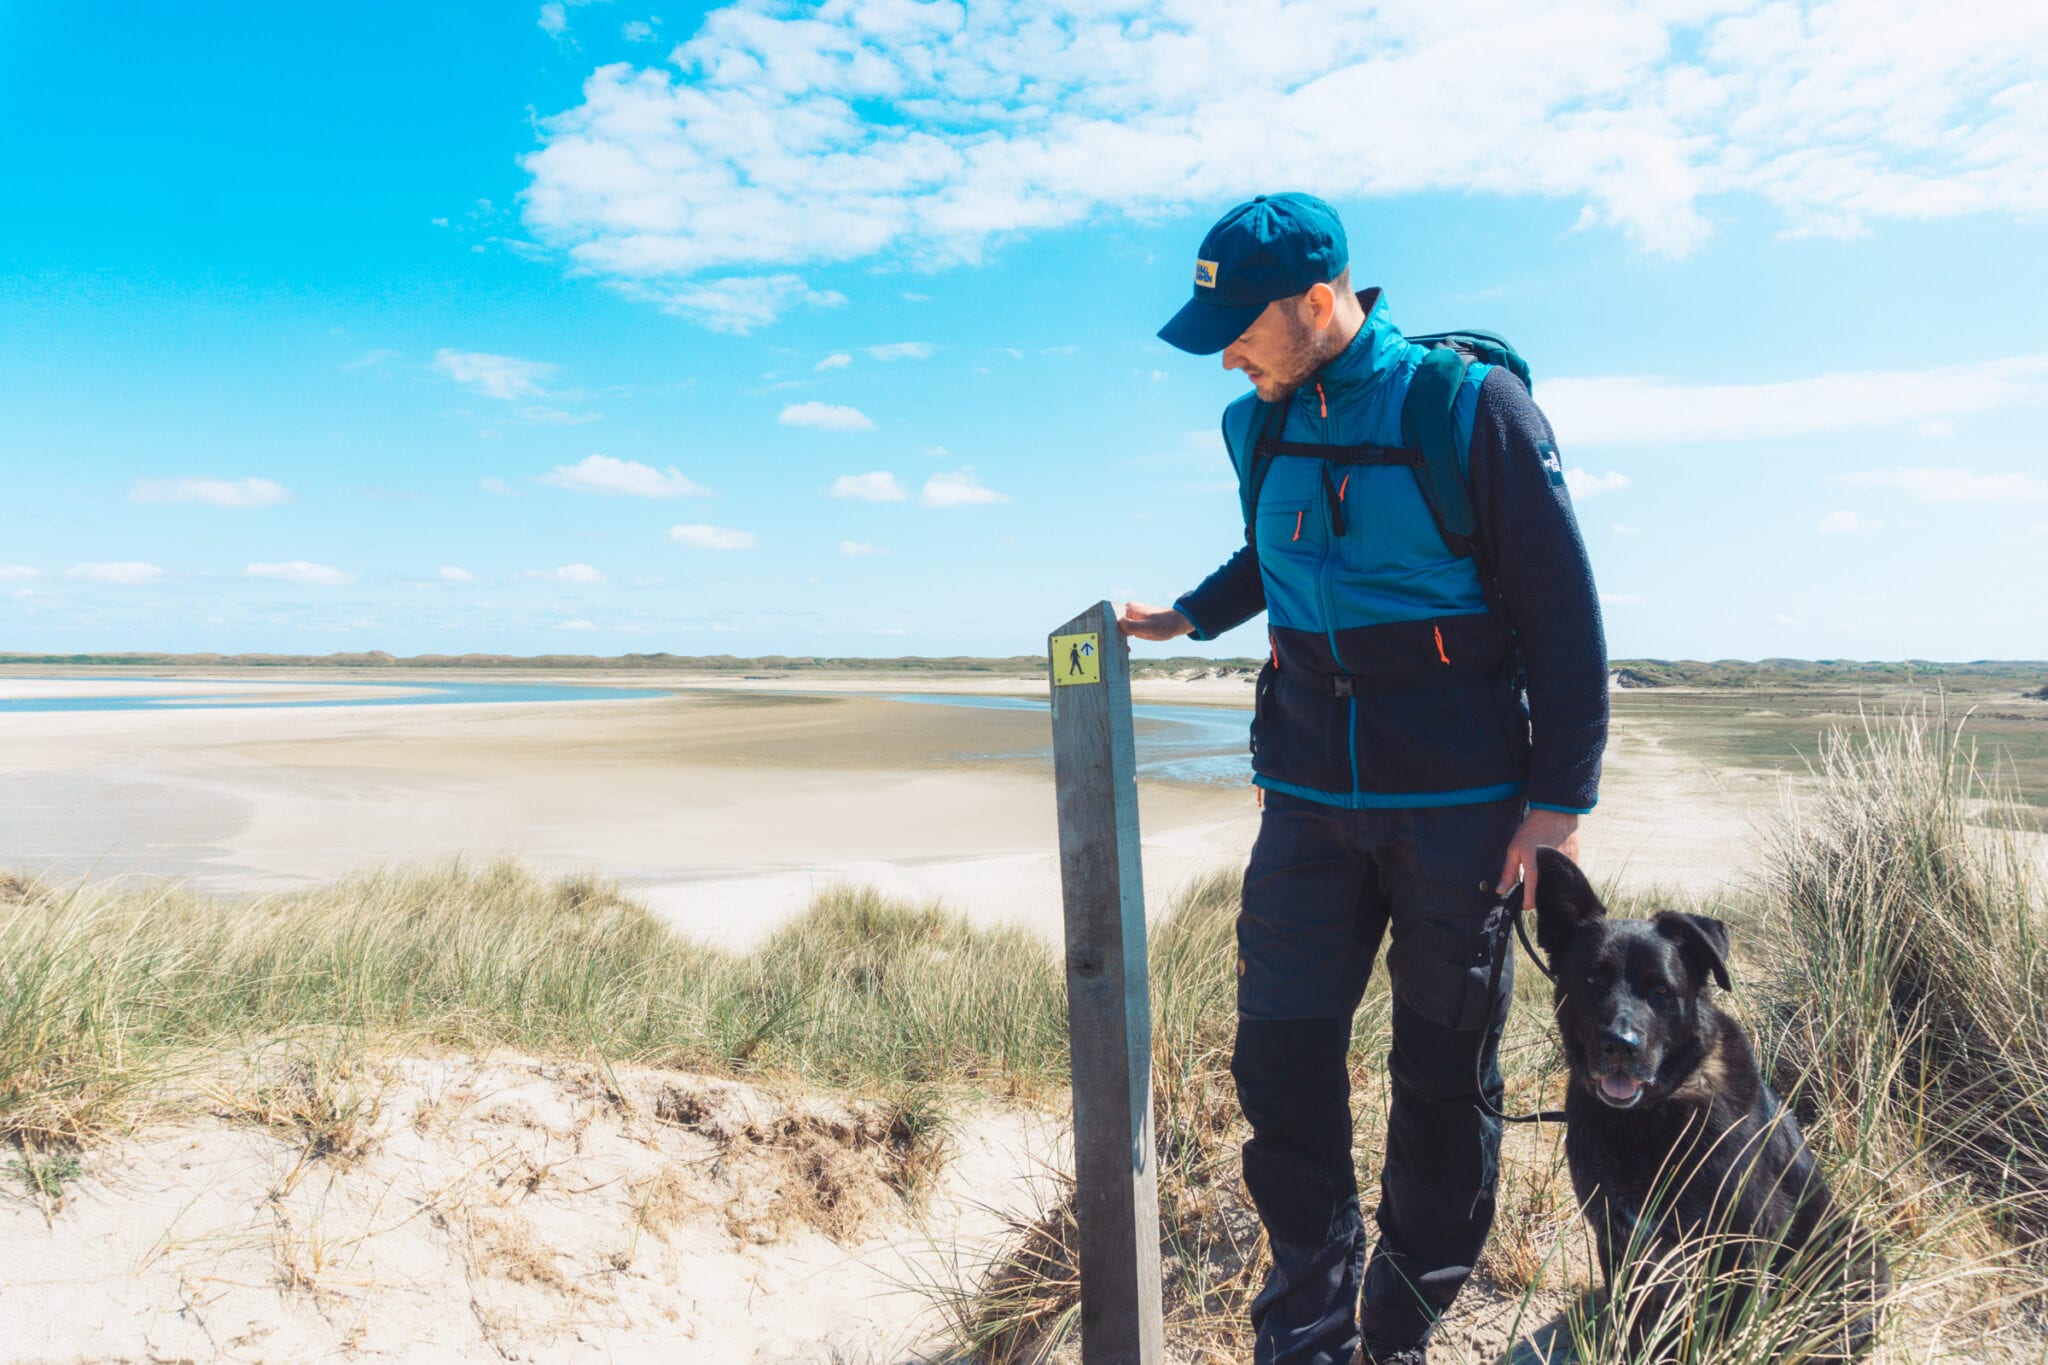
(377, 359)
(826, 417)
(937, 453)
(736, 304)
(1621, 599)
(117, 571)
(880, 486)
(540, 416)
(1623, 529)
(496, 487)
(1647, 411)
(623, 478)
(702, 537)
(212, 492)
(577, 625)
(1847, 523)
(301, 571)
(958, 489)
(554, 18)
(15, 573)
(857, 549)
(1942, 484)
(637, 31)
(1584, 484)
(450, 573)
(1779, 618)
(921, 134)
(566, 573)
(504, 377)
(838, 360)
(901, 350)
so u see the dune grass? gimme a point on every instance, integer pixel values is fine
(107, 995)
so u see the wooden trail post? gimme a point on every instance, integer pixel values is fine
(1109, 1009)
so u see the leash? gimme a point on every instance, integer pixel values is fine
(1512, 903)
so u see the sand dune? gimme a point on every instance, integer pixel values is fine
(508, 1208)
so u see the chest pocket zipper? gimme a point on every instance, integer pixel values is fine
(1333, 496)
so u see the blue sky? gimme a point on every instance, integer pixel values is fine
(619, 326)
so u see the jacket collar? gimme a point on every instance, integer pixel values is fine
(1353, 373)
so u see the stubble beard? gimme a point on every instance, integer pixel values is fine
(1305, 355)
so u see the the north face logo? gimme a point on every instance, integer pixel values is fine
(1205, 274)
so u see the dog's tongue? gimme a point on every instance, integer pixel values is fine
(1620, 1087)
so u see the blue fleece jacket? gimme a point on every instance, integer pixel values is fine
(1392, 681)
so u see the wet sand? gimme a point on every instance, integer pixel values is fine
(724, 806)
(724, 810)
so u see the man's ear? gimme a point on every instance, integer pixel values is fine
(1565, 902)
(1322, 305)
(1703, 941)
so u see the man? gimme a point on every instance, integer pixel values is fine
(1405, 778)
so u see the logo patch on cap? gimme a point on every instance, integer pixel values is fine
(1205, 274)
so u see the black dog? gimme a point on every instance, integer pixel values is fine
(1678, 1149)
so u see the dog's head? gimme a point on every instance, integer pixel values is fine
(1630, 992)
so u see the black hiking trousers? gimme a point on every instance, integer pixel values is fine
(1324, 887)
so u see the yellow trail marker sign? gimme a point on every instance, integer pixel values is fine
(1076, 659)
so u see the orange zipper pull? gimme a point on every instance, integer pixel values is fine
(1297, 526)
(1344, 485)
(1438, 631)
(1321, 399)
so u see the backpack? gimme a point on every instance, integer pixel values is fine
(1429, 444)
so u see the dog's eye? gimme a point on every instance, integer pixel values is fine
(1660, 990)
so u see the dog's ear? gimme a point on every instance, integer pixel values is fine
(1564, 901)
(1702, 940)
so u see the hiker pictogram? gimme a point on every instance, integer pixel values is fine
(1076, 659)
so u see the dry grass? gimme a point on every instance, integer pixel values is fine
(831, 1166)
(322, 1093)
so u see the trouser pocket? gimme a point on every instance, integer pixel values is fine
(1441, 972)
(1449, 925)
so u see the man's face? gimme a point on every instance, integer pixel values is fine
(1279, 350)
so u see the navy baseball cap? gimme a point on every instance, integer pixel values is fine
(1276, 246)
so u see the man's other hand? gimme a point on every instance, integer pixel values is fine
(1540, 829)
(1153, 623)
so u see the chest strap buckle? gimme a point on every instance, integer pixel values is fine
(1340, 685)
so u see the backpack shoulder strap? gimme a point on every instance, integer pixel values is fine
(1428, 424)
(1267, 424)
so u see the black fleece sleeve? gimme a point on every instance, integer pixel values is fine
(1527, 527)
(1236, 592)
(1228, 598)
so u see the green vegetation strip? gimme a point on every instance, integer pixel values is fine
(105, 995)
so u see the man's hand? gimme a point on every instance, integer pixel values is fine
(1153, 623)
(1540, 829)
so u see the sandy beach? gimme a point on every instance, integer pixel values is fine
(725, 805)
